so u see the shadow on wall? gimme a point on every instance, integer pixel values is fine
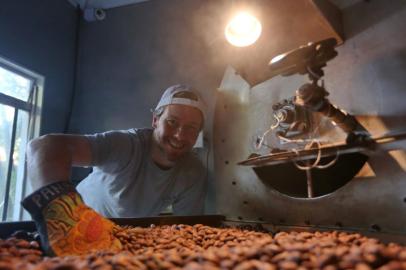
(379, 125)
(390, 164)
(365, 14)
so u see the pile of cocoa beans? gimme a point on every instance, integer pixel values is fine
(203, 247)
(14, 251)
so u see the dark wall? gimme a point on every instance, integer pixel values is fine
(128, 59)
(40, 36)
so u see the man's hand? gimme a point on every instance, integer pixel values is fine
(66, 225)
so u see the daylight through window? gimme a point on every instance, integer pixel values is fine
(19, 122)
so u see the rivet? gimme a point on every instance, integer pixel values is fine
(376, 227)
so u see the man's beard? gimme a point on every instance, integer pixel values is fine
(170, 155)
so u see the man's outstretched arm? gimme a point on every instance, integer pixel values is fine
(66, 225)
(50, 158)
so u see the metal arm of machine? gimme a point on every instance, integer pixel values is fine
(385, 142)
(313, 97)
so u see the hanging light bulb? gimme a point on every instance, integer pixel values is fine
(243, 30)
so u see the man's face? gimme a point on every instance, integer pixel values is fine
(176, 131)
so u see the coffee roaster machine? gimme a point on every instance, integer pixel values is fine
(293, 160)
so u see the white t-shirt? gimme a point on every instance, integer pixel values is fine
(125, 182)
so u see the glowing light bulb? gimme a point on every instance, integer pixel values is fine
(243, 30)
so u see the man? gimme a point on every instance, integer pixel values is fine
(138, 172)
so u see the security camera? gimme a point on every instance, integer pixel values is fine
(100, 14)
(94, 14)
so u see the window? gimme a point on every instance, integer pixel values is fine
(19, 122)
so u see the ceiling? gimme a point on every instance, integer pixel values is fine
(104, 4)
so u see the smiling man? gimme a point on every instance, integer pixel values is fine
(136, 173)
(140, 172)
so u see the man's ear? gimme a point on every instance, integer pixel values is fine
(155, 119)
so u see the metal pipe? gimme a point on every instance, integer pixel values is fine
(10, 166)
(309, 179)
(313, 97)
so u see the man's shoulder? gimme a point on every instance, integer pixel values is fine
(141, 133)
(133, 131)
(120, 140)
